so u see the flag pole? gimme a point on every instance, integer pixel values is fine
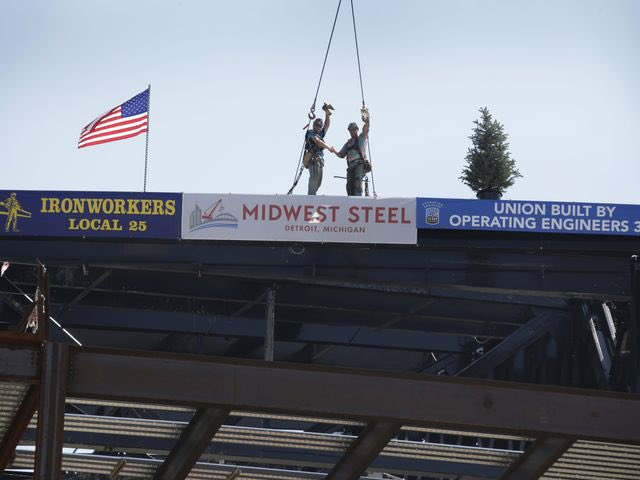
(146, 148)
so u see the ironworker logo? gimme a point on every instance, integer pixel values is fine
(12, 209)
(432, 212)
(212, 217)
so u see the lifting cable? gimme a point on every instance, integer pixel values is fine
(311, 114)
(355, 36)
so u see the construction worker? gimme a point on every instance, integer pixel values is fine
(356, 152)
(314, 149)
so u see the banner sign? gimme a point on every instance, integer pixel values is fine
(90, 214)
(525, 216)
(295, 218)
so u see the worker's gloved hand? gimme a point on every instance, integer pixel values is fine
(364, 112)
(327, 107)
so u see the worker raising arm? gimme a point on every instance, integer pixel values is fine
(356, 152)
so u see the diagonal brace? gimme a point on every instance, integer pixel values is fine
(364, 450)
(191, 444)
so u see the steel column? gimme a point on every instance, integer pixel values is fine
(49, 436)
(270, 324)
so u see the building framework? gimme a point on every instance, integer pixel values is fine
(468, 356)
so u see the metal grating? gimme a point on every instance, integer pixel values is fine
(597, 461)
(11, 396)
(226, 434)
(450, 453)
(144, 468)
(462, 433)
(288, 439)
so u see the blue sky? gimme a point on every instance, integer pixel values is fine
(232, 83)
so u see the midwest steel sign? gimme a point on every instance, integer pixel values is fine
(90, 214)
(293, 218)
(298, 218)
(528, 216)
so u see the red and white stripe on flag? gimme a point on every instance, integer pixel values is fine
(125, 121)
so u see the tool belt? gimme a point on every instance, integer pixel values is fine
(309, 157)
(360, 161)
(306, 160)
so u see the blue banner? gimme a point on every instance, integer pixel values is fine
(90, 214)
(528, 216)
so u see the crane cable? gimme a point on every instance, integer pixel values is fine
(355, 36)
(311, 114)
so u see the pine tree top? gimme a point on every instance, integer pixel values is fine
(489, 165)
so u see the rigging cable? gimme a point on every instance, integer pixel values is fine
(311, 115)
(355, 35)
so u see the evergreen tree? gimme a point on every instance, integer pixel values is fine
(489, 166)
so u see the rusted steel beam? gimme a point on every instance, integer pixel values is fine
(19, 358)
(191, 444)
(409, 399)
(49, 434)
(537, 459)
(364, 450)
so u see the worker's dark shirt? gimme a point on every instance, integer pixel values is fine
(310, 145)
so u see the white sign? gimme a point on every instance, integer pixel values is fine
(298, 218)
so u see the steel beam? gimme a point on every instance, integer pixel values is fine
(247, 306)
(364, 450)
(15, 306)
(129, 319)
(594, 349)
(49, 436)
(193, 441)
(432, 290)
(20, 357)
(18, 426)
(243, 454)
(533, 330)
(409, 399)
(87, 290)
(448, 365)
(537, 458)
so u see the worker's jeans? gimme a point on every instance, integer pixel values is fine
(355, 173)
(315, 174)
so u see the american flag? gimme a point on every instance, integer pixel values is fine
(125, 121)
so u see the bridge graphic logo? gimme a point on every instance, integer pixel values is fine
(212, 217)
(13, 210)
